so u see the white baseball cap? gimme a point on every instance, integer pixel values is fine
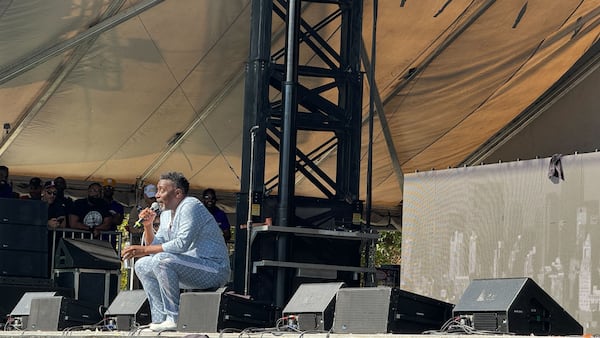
(150, 190)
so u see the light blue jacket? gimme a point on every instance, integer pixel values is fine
(193, 232)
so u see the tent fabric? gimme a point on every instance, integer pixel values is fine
(163, 90)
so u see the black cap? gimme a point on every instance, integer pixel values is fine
(35, 182)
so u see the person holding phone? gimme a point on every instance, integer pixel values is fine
(57, 212)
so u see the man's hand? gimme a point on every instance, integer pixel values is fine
(133, 251)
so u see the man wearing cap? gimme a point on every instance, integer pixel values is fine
(57, 212)
(115, 208)
(35, 189)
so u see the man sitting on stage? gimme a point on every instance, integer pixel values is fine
(188, 251)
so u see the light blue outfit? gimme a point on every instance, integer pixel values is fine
(195, 257)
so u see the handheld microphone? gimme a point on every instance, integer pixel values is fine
(154, 207)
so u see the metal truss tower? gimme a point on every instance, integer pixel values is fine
(311, 83)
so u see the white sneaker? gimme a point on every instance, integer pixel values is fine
(167, 325)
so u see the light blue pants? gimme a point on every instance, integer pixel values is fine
(164, 274)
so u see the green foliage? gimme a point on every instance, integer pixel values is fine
(388, 248)
(124, 282)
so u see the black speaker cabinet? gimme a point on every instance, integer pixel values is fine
(313, 305)
(514, 305)
(22, 211)
(129, 310)
(21, 263)
(24, 250)
(213, 311)
(413, 313)
(86, 253)
(14, 236)
(59, 313)
(387, 310)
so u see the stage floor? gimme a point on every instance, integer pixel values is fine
(84, 334)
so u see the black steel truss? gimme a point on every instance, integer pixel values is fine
(281, 99)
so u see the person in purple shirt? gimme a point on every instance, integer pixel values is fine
(209, 198)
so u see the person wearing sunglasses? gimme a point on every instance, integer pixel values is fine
(57, 212)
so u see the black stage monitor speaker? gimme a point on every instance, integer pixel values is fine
(86, 253)
(20, 313)
(23, 307)
(129, 310)
(384, 309)
(214, 311)
(313, 304)
(59, 313)
(514, 305)
(413, 313)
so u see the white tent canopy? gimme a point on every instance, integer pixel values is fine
(131, 89)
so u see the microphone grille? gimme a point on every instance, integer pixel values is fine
(155, 207)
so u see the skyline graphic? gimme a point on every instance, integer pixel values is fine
(506, 220)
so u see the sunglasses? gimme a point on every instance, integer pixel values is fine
(53, 193)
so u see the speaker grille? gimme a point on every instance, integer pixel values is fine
(199, 311)
(362, 310)
(45, 314)
(485, 321)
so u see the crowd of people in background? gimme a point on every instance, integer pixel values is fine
(176, 241)
(98, 211)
